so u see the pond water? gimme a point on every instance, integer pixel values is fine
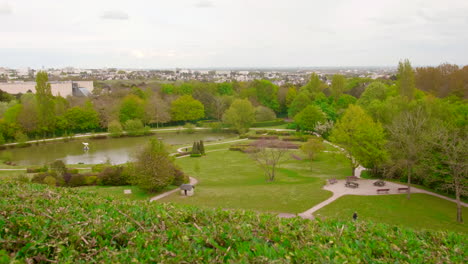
(116, 150)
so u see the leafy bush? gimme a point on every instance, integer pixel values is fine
(91, 180)
(113, 176)
(22, 178)
(21, 139)
(135, 127)
(189, 128)
(99, 167)
(180, 177)
(115, 129)
(49, 180)
(68, 226)
(72, 170)
(36, 170)
(77, 180)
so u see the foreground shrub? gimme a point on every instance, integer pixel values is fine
(65, 225)
(180, 177)
(115, 129)
(113, 176)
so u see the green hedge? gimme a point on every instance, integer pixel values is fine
(45, 224)
(276, 122)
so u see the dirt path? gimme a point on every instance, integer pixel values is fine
(193, 181)
(366, 187)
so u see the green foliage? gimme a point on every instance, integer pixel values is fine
(276, 122)
(49, 180)
(338, 85)
(406, 82)
(312, 147)
(80, 119)
(361, 137)
(135, 127)
(301, 101)
(240, 115)
(267, 94)
(132, 107)
(154, 168)
(185, 108)
(290, 96)
(374, 91)
(11, 114)
(263, 113)
(314, 85)
(189, 128)
(115, 129)
(225, 88)
(21, 138)
(345, 100)
(2, 139)
(167, 88)
(138, 231)
(112, 176)
(308, 118)
(45, 102)
(201, 147)
(58, 167)
(180, 177)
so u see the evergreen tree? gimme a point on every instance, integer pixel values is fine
(202, 147)
(406, 83)
(45, 102)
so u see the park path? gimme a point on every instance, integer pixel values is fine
(26, 169)
(366, 187)
(193, 181)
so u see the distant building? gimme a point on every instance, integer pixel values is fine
(64, 88)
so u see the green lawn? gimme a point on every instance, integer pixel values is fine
(117, 192)
(231, 179)
(422, 211)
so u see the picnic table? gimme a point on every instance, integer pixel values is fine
(350, 184)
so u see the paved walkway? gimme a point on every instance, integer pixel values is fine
(366, 187)
(193, 181)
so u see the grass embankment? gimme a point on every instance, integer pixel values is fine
(231, 179)
(46, 224)
(422, 211)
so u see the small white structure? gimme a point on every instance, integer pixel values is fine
(128, 191)
(187, 189)
(86, 145)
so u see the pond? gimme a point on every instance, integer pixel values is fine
(116, 150)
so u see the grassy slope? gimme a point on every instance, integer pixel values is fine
(230, 179)
(43, 224)
(422, 211)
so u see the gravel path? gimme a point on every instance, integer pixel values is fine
(193, 181)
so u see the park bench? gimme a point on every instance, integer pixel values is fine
(332, 181)
(379, 183)
(403, 189)
(351, 184)
(352, 178)
(382, 190)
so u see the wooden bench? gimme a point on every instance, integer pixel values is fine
(403, 189)
(332, 181)
(352, 178)
(382, 190)
(351, 184)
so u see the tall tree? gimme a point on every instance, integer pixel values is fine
(185, 108)
(269, 154)
(157, 111)
(45, 102)
(406, 83)
(407, 141)
(361, 137)
(267, 94)
(338, 85)
(308, 118)
(301, 101)
(240, 115)
(452, 145)
(132, 107)
(314, 85)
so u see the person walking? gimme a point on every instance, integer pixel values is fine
(355, 216)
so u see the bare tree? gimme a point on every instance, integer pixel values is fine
(157, 111)
(269, 154)
(453, 147)
(406, 140)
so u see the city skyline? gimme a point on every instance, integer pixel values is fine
(231, 34)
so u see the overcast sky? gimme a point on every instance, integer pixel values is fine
(231, 33)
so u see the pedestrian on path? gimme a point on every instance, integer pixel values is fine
(355, 216)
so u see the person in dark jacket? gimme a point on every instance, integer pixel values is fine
(355, 216)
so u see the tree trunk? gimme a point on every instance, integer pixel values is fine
(409, 183)
(459, 207)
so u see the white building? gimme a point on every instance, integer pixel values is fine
(65, 88)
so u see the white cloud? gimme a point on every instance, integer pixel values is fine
(5, 9)
(204, 4)
(115, 14)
